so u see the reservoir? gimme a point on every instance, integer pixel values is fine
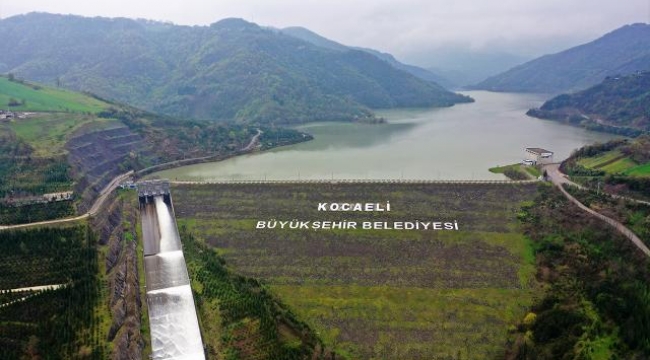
(460, 142)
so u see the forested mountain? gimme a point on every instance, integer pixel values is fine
(623, 51)
(230, 70)
(312, 37)
(619, 104)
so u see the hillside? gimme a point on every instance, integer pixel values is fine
(315, 39)
(74, 142)
(619, 167)
(623, 51)
(619, 104)
(33, 158)
(230, 70)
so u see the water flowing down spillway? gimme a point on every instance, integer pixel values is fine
(174, 325)
(175, 330)
(169, 238)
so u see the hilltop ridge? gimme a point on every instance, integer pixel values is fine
(230, 70)
(620, 52)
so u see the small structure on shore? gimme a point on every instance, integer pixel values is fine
(149, 189)
(536, 156)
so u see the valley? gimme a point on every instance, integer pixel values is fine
(330, 201)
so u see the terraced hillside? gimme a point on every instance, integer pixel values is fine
(98, 156)
(53, 142)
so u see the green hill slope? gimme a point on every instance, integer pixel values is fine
(18, 95)
(620, 104)
(313, 38)
(77, 143)
(623, 51)
(230, 70)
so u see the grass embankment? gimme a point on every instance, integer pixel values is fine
(378, 293)
(67, 323)
(517, 171)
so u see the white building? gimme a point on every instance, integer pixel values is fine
(536, 156)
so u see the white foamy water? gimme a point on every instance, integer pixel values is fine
(166, 270)
(169, 238)
(175, 330)
(174, 325)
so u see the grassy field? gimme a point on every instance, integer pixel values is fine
(48, 133)
(517, 171)
(379, 294)
(641, 170)
(613, 162)
(600, 160)
(39, 98)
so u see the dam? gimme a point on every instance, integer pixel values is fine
(174, 325)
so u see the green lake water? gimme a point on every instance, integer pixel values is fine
(460, 142)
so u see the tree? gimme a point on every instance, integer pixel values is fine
(31, 352)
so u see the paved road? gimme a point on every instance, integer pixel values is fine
(558, 178)
(553, 170)
(196, 160)
(99, 202)
(108, 189)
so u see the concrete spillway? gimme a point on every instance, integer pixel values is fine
(174, 325)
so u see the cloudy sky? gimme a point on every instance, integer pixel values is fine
(410, 29)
